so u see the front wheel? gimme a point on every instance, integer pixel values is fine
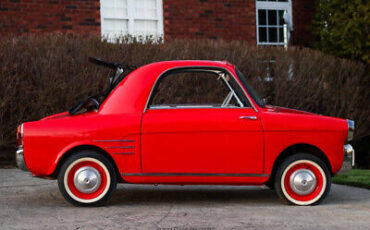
(302, 179)
(87, 179)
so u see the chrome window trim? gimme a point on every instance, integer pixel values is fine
(194, 107)
(160, 107)
(222, 75)
(227, 99)
(205, 68)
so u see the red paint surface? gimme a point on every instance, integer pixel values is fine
(182, 140)
(201, 141)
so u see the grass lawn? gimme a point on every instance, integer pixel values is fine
(354, 177)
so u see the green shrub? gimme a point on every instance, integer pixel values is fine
(342, 28)
(355, 177)
(43, 75)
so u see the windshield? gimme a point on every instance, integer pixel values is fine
(249, 88)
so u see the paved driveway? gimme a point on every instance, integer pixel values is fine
(32, 203)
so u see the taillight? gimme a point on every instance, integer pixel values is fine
(20, 135)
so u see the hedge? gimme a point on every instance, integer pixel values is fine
(45, 74)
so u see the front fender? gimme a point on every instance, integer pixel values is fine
(285, 127)
(329, 143)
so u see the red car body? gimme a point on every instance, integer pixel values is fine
(183, 146)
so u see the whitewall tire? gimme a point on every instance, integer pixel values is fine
(87, 179)
(302, 179)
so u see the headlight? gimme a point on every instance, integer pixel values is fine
(351, 129)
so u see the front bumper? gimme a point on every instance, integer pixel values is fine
(349, 158)
(19, 157)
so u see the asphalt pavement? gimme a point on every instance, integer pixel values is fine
(27, 202)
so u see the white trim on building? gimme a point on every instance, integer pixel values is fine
(269, 25)
(136, 18)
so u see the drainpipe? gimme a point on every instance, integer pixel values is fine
(288, 27)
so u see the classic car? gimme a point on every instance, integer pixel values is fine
(181, 123)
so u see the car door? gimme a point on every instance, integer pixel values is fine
(196, 124)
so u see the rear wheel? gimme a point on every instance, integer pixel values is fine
(87, 179)
(302, 179)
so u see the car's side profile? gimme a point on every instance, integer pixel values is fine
(185, 122)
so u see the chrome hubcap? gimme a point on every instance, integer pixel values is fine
(303, 181)
(87, 179)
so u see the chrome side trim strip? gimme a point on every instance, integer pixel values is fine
(113, 140)
(123, 153)
(198, 174)
(119, 147)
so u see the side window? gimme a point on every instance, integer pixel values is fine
(195, 88)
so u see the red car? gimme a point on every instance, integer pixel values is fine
(184, 122)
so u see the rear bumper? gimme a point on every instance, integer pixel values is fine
(19, 157)
(349, 158)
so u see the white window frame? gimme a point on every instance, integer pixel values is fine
(131, 19)
(272, 5)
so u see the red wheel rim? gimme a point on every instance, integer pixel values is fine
(317, 189)
(74, 190)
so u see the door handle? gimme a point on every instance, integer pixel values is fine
(248, 117)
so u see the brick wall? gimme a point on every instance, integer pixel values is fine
(33, 16)
(210, 19)
(303, 12)
(197, 19)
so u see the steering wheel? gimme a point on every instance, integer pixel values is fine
(84, 104)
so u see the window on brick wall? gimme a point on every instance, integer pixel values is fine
(270, 23)
(138, 18)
